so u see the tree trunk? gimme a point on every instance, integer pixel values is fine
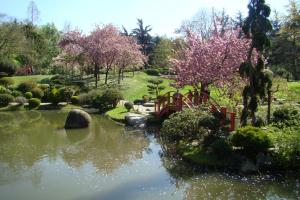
(106, 75)
(122, 74)
(96, 74)
(119, 76)
(269, 106)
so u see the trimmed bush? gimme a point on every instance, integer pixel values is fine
(252, 139)
(6, 81)
(75, 100)
(16, 93)
(21, 100)
(58, 79)
(28, 95)
(34, 103)
(65, 93)
(88, 98)
(51, 95)
(152, 72)
(109, 99)
(37, 93)
(286, 116)
(26, 86)
(44, 86)
(7, 67)
(5, 99)
(4, 90)
(128, 105)
(183, 125)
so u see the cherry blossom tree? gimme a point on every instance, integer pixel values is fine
(130, 56)
(212, 61)
(103, 48)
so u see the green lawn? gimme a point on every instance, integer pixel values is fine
(19, 79)
(290, 91)
(118, 113)
(134, 87)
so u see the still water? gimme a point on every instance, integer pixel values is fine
(40, 160)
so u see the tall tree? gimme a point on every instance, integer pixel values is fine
(291, 30)
(142, 34)
(257, 26)
(33, 12)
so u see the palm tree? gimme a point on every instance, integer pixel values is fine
(143, 37)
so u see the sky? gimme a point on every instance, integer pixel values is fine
(164, 16)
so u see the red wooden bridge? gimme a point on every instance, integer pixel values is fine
(172, 102)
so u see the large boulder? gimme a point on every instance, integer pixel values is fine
(135, 120)
(77, 119)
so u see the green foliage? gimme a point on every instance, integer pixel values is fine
(252, 139)
(66, 93)
(75, 100)
(88, 98)
(5, 99)
(4, 90)
(51, 95)
(221, 148)
(34, 103)
(183, 126)
(152, 72)
(6, 81)
(26, 86)
(128, 105)
(7, 67)
(28, 95)
(16, 93)
(286, 141)
(58, 79)
(108, 100)
(37, 92)
(155, 86)
(286, 116)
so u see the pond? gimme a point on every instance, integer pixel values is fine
(40, 160)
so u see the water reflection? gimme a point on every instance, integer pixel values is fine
(40, 160)
(29, 137)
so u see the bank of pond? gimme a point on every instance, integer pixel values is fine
(39, 159)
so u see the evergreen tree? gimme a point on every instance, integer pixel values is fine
(256, 26)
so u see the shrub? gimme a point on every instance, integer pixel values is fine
(286, 141)
(88, 98)
(75, 100)
(183, 125)
(28, 95)
(34, 103)
(146, 98)
(16, 93)
(52, 95)
(5, 99)
(286, 116)
(65, 93)
(152, 72)
(4, 90)
(109, 99)
(7, 67)
(6, 81)
(21, 100)
(37, 92)
(26, 86)
(221, 148)
(44, 86)
(128, 105)
(252, 139)
(58, 79)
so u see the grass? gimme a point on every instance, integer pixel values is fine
(117, 114)
(36, 78)
(134, 87)
(290, 91)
